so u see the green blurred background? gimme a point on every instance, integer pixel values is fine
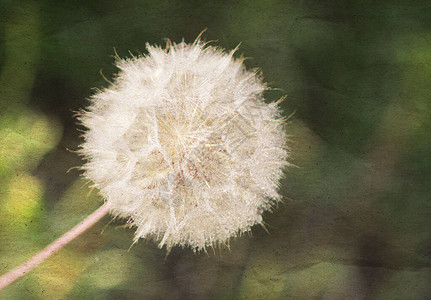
(356, 218)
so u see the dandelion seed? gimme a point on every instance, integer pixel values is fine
(183, 145)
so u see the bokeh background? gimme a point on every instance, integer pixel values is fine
(355, 222)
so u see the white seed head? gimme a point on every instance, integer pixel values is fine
(183, 145)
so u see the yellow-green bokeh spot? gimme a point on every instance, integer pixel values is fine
(22, 204)
(271, 280)
(24, 142)
(56, 277)
(112, 268)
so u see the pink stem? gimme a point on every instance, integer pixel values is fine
(69, 236)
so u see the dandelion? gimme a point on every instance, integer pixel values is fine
(183, 145)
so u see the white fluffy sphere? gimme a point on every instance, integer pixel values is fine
(183, 145)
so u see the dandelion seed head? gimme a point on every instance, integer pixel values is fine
(183, 145)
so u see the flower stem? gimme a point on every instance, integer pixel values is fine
(65, 239)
